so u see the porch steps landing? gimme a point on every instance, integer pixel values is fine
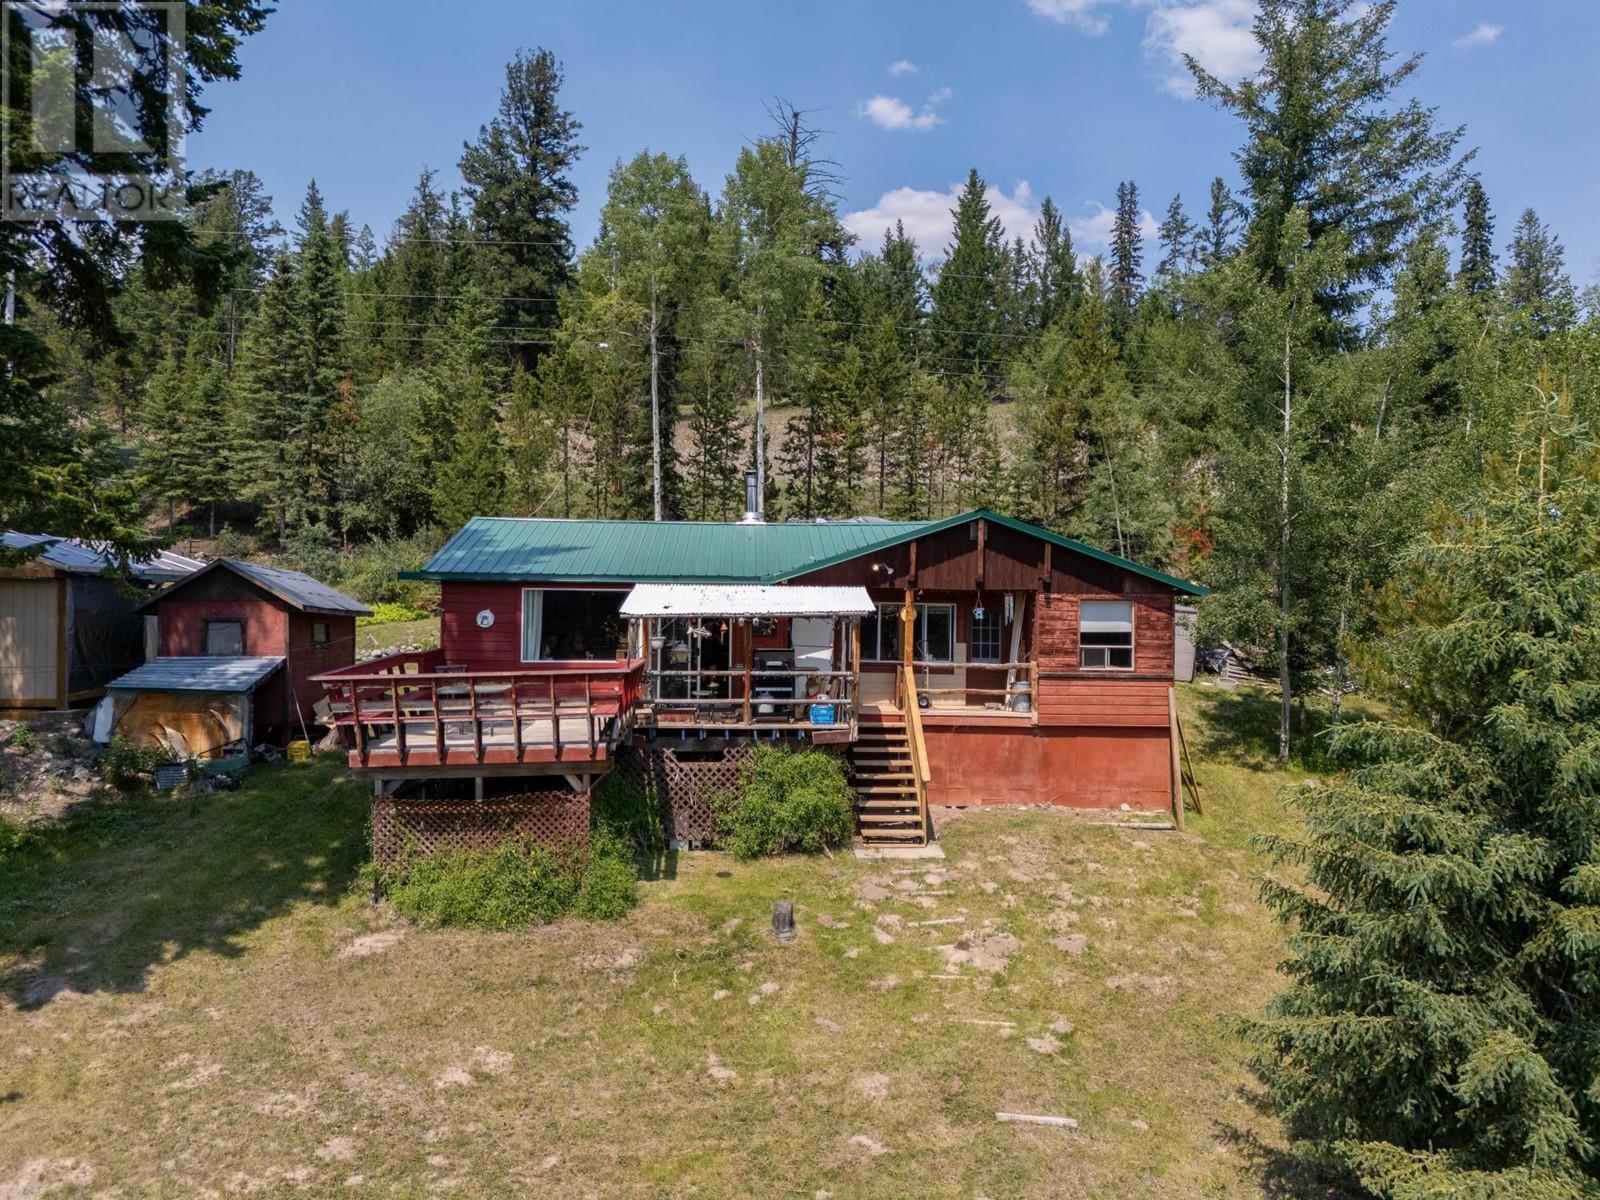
(888, 812)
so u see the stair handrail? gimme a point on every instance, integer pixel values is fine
(920, 774)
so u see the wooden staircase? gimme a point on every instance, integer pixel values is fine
(889, 809)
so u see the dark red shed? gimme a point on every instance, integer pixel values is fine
(239, 609)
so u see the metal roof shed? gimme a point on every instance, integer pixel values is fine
(200, 707)
(744, 600)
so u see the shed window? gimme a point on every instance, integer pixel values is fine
(224, 638)
(321, 634)
(936, 633)
(1105, 635)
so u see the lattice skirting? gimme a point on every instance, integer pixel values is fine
(558, 819)
(682, 784)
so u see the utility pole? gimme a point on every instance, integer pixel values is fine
(655, 400)
(761, 415)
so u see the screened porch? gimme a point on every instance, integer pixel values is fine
(749, 660)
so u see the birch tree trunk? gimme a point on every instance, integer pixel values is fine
(1285, 587)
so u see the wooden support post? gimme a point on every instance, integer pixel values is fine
(588, 712)
(855, 671)
(355, 717)
(516, 719)
(749, 664)
(1177, 774)
(908, 626)
(438, 721)
(477, 725)
(1049, 570)
(399, 724)
(555, 719)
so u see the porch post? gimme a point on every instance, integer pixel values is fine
(908, 631)
(749, 662)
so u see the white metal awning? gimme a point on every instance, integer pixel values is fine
(744, 600)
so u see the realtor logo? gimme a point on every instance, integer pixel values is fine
(93, 110)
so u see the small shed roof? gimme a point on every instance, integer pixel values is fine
(231, 674)
(86, 558)
(292, 587)
(744, 600)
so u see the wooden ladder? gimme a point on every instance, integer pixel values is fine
(889, 804)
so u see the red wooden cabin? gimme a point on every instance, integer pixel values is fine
(972, 660)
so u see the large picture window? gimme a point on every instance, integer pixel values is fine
(1105, 635)
(935, 633)
(568, 625)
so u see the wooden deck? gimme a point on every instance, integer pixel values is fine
(412, 711)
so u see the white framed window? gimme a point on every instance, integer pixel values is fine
(984, 645)
(935, 633)
(1105, 635)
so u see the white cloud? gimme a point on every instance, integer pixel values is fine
(1083, 14)
(926, 215)
(1091, 231)
(891, 112)
(903, 66)
(1484, 35)
(1216, 33)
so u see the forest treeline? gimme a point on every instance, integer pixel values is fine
(1269, 399)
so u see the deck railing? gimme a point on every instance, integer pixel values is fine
(417, 710)
(921, 774)
(1022, 680)
(742, 711)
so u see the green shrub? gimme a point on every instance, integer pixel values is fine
(125, 766)
(63, 745)
(787, 801)
(514, 885)
(625, 810)
(23, 739)
(610, 884)
(387, 612)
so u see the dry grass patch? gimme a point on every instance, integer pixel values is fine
(225, 1013)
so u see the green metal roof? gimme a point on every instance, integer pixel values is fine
(547, 550)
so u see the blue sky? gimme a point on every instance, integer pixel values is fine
(1057, 97)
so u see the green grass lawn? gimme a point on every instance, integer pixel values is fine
(195, 996)
(372, 638)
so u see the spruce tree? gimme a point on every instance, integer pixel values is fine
(1441, 1031)
(1127, 253)
(321, 330)
(1478, 273)
(1325, 132)
(1537, 283)
(517, 180)
(1224, 217)
(966, 295)
(1057, 283)
(265, 410)
(1178, 238)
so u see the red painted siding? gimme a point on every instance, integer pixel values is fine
(270, 627)
(498, 648)
(1056, 635)
(1080, 768)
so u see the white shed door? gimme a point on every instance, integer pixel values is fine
(28, 639)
